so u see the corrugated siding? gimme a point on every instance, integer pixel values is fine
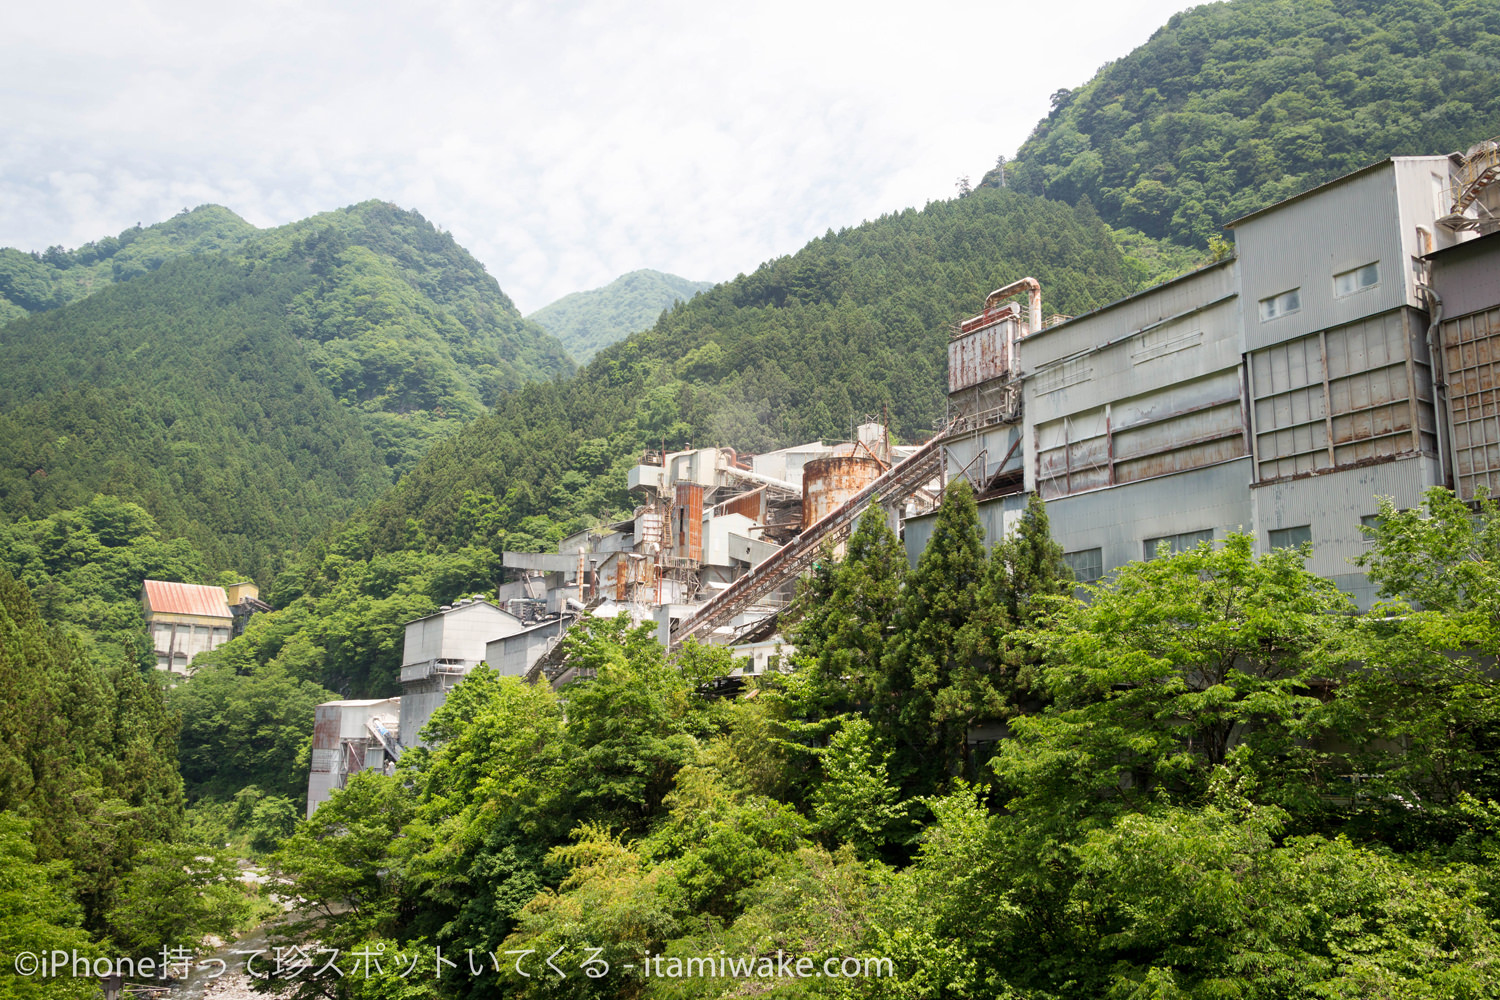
(163, 597)
(979, 356)
(687, 521)
(1341, 397)
(1304, 243)
(1471, 358)
(1186, 426)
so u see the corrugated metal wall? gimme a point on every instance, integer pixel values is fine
(1185, 426)
(1471, 358)
(1342, 397)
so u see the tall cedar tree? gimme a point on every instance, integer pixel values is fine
(87, 753)
(934, 680)
(849, 610)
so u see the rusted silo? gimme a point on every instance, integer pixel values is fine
(829, 482)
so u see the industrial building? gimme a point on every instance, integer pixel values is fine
(1278, 392)
(1348, 350)
(184, 619)
(349, 737)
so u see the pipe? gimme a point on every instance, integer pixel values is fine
(1439, 385)
(1032, 286)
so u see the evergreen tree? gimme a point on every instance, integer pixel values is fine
(850, 606)
(936, 675)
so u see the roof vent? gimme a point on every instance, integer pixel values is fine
(446, 607)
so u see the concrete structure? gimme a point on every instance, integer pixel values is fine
(244, 602)
(349, 737)
(184, 619)
(1278, 392)
(514, 655)
(439, 650)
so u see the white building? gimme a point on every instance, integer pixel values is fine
(349, 737)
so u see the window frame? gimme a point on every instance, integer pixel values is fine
(1374, 268)
(1273, 307)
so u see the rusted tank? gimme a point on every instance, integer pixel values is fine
(828, 482)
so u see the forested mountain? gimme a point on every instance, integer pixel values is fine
(37, 282)
(853, 324)
(585, 322)
(248, 398)
(1233, 106)
(803, 348)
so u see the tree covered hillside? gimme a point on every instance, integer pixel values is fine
(250, 398)
(38, 282)
(585, 322)
(802, 349)
(1233, 106)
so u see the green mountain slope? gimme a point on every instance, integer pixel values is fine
(587, 322)
(1233, 106)
(38, 282)
(249, 398)
(803, 348)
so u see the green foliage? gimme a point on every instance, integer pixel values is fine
(174, 895)
(631, 726)
(1234, 106)
(587, 322)
(183, 391)
(1419, 707)
(845, 609)
(85, 568)
(1171, 820)
(37, 915)
(245, 729)
(250, 393)
(87, 753)
(37, 282)
(801, 349)
(856, 803)
(1165, 670)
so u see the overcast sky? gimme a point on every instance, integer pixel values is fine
(562, 143)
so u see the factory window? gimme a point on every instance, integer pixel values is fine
(1087, 564)
(1178, 543)
(1357, 280)
(1280, 305)
(1290, 538)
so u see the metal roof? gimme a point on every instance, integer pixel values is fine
(1360, 172)
(1143, 293)
(186, 599)
(1477, 243)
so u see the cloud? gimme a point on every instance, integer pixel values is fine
(563, 144)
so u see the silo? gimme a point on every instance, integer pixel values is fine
(827, 483)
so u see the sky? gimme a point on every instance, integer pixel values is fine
(563, 144)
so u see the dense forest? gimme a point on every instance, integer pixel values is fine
(250, 398)
(1212, 779)
(804, 348)
(585, 322)
(37, 282)
(1234, 106)
(1217, 781)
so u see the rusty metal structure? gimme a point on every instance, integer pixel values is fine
(906, 479)
(829, 483)
(1472, 192)
(349, 737)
